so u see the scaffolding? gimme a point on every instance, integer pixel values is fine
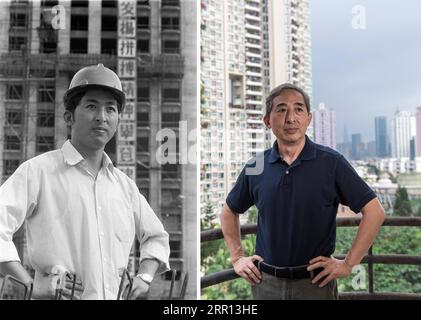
(33, 79)
(20, 71)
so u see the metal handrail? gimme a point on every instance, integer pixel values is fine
(173, 274)
(216, 234)
(370, 259)
(61, 282)
(125, 277)
(28, 287)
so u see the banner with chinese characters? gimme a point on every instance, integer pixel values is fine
(127, 71)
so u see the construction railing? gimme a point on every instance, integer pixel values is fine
(370, 259)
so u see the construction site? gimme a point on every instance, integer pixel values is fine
(44, 43)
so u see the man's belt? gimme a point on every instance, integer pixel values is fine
(299, 272)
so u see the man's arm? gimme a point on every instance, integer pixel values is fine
(15, 269)
(140, 287)
(243, 266)
(373, 217)
(153, 239)
(153, 244)
(18, 197)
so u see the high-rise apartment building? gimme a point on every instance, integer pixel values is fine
(240, 43)
(324, 123)
(403, 129)
(380, 125)
(232, 83)
(357, 146)
(290, 46)
(43, 45)
(290, 43)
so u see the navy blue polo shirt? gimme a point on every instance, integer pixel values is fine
(298, 203)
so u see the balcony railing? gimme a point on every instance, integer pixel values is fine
(370, 259)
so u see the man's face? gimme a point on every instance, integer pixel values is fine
(95, 119)
(289, 117)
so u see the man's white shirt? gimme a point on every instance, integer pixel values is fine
(84, 224)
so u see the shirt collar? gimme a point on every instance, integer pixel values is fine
(308, 152)
(274, 153)
(73, 157)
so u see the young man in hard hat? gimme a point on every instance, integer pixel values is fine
(81, 212)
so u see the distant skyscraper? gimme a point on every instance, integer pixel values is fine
(381, 137)
(345, 136)
(403, 126)
(356, 146)
(412, 149)
(324, 123)
(418, 132)
(371, 149)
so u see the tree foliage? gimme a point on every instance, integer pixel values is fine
(402, 205)
(215, 257)
(237, 289)
(387, 277)
(209, 218)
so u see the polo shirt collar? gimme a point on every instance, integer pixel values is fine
(274, 153)
(308, 152)
(73, 157)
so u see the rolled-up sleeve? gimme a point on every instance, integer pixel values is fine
(153, 239)
(17, 200)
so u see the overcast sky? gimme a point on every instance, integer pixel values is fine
(363, 73)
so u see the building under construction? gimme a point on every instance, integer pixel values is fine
(43, 44)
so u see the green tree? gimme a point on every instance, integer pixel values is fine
(402, 205)
(215, 257)
(387, 277)
(372, 169)
(202, 100)
(392, 178)
(219, 260)
(209, 248)
(252, 215)
(209, 217)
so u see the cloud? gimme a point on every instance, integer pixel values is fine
(365, 73)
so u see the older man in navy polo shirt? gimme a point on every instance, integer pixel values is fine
(297, 190)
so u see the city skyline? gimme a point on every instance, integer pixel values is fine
(371, 51)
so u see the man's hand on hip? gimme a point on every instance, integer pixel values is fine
(333, 269)
(46, 286)
(244, 267)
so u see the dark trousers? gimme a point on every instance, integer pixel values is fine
(272, 288)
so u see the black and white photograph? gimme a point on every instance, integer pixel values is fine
(98, 149)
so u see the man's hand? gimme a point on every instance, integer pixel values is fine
(139, 289)
(244, 267)
(333, 269)
(67, 290)
(46, 287)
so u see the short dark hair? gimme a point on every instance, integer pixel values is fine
(277, 91)
(73, 100)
